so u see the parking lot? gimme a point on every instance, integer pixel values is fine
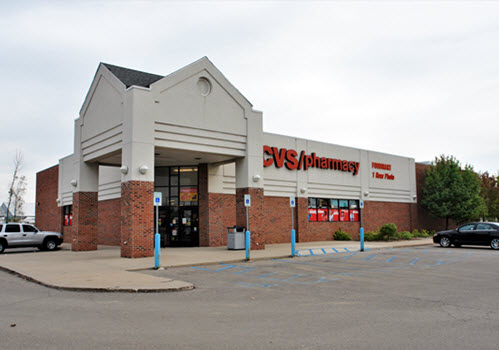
(331, 267)
(405, 298)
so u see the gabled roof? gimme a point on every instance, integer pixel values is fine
(131, 77)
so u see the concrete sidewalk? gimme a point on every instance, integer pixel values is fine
(104, 270)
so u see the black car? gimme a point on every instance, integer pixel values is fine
(473, 233)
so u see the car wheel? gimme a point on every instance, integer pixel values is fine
(49, 244)
(445, 242)
(494, 244)
(2, 247)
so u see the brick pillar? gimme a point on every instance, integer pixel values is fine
(204, 215)
(137, 219)
(256, 215)
(84, 221)
(301, 218)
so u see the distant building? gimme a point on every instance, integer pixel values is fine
(3, 212)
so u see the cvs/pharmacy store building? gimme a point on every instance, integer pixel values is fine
(195, 138)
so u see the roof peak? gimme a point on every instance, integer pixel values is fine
(131, 77)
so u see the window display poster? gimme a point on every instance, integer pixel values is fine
(344, 215)
(68, 219)
(312, 214)
(354, 215)
(334, 215)
(188, 194)
(322, 215)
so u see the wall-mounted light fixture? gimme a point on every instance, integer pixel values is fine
(57, 200)
(414, 197)
(124, 170)
(303, 189)
(256, 178)
(74, 182)
(366, 193)
(143, 169)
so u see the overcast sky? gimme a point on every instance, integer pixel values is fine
(413, 78)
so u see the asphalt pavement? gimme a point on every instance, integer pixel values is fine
(389, 298)
(103, 270)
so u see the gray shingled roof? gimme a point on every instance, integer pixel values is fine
(131, 77)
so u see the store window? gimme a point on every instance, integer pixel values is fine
(178, 185)
(333, 210)
(68, 215)
(312, 209)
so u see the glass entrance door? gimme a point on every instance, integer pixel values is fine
(179, 218)
(179, 226)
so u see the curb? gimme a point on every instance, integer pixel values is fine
(97, 290)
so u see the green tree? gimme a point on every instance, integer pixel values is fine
(489, 190)
(452, 192)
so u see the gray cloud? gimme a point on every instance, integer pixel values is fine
(411, 78)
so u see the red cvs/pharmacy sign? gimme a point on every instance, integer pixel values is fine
(293, 161)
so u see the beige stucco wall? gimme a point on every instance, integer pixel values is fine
(127, 126)
(316, 182)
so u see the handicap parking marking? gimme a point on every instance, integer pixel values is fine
(356, 265)
(275, 276)
(325, 251)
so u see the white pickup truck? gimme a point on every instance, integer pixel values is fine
(15, 235)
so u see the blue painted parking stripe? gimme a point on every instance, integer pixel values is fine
(405, 251)
(324, 251)
(311, 252)
(267, 274)
(217, 270)
(447, 253)
(370, 257)
(348, 256)
(391, 259)
(346, 249)
(440, 262)
(414, 261)
(256, 284)
(335, 250)
(290, 278)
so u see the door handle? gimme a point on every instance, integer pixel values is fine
(24, 234)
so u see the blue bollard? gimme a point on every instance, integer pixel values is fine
(361, 239)
(293, 243)
(157, 241)
(248, 245)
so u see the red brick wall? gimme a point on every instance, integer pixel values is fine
(221, 213)
(137, 219)
(68, 233)
(376, 214)
(84, 226)
(257, 215)
(278, 220)
(109, 222)
(48, 216)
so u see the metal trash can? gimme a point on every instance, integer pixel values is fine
(235, 238)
